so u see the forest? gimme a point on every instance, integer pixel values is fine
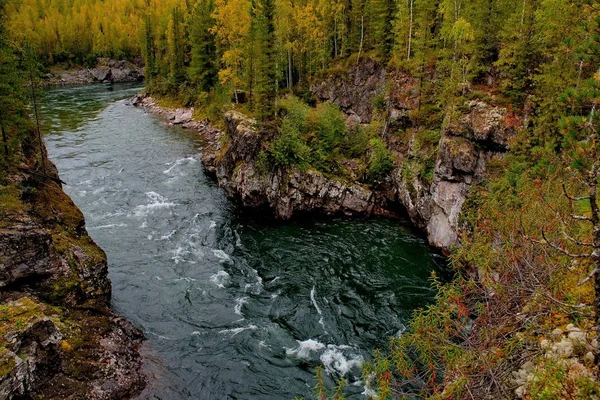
(521, 318)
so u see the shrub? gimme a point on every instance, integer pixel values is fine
(380, 162)
(328, 122)
(289, 148)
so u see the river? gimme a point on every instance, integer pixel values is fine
(234, 305)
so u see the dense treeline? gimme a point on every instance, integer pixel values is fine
(527, 47)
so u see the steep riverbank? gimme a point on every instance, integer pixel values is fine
(59, 338)
(430, 179)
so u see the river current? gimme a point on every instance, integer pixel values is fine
(234, 305)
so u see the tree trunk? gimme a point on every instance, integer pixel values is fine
(5, 141)
(410, 28)
(37, 122)
(362, 37)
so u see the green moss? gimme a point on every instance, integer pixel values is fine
(7, 362)
(10, 202)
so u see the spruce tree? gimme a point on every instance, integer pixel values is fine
(149, 57)
(203, 68)
(176, 48)
(266, 83)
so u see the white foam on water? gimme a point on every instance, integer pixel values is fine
(305, 348)
(369, 392)
(236, 331)
(238, 240)
(239, 303)
(158, 202)
(401, 331)
(189, 280)
(169, 236)
(178, 163)
(220, 279)
(179, 254)
(108, 226)
(314, 301)
(337, 362)
(221, 255)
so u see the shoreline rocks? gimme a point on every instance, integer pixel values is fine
(106, 71)
(59, 339)
(481, 134)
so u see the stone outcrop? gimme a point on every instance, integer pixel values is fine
(58, 337)
(232, 157)
(434, 205)
(353, 90)
(465, 149)
(106, 71)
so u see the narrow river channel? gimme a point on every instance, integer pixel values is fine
(234, 305)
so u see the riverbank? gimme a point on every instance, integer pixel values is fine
(59, 337)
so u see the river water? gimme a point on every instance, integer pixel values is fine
(234, 306)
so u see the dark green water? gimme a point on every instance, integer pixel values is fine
(234, 306)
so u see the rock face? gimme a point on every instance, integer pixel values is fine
(466, 146)
(354, 90)
(58, 337)
(106, 71)
(285, 192)
(234, 163)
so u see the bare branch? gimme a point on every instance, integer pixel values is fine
(589, 277)
(568, 196)
(577, 242)
(581, 218)
(560, 249)
(578, 306)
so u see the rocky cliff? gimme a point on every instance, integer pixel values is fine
(466, 144)
(231, 155)
(459, 155)
(58, 337)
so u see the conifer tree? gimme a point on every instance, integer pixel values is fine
(12, 96)
(203, 69)
(266, 82)
(176, 47)
(149, 49)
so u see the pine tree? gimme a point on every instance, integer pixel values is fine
(203, 69)
(149, 56)
(176, 47)
(12, 96)
(266, 82)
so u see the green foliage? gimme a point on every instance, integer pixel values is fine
(329, 125)
(380, 161)
(203, 69)
(289, 149)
